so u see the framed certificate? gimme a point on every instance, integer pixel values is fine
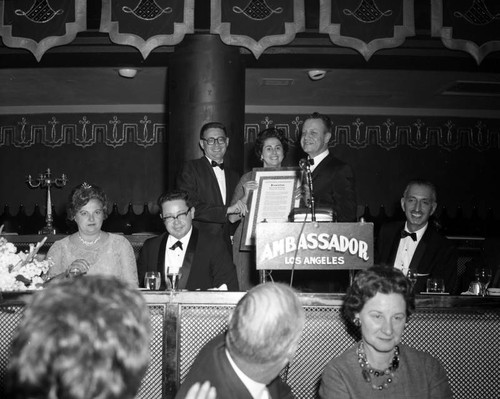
(272, 201)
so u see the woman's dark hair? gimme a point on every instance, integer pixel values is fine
(369, 282)
(267, 134)
(82, 194)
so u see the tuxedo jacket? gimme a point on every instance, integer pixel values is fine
(197, 177)
(213, 365)
(435, 255)
(207, 263)
(333, 186)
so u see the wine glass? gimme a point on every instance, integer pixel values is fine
(172, 279)
(483, 274)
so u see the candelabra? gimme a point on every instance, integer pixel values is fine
(45, 180)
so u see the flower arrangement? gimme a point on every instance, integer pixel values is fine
(20, 271)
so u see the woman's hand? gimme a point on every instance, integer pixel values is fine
(247, 187)
(78, 267)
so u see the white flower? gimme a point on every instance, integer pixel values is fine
(33, 273)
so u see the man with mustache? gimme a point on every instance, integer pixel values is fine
(416, 244)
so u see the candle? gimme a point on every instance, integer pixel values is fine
(49, 206)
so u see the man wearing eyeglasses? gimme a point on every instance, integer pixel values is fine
(211, 184)
(202, 261)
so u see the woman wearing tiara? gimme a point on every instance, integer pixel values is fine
(91, 250)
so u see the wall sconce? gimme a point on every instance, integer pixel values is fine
(128, 73)
(316, 74)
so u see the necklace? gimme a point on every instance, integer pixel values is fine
(368, 371)
(88, 243)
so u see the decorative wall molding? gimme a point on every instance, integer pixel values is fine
(390, 133)
(255, 25)
(82, 131)
(366, 26)
(147, 25)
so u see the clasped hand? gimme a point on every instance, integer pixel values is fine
(78, 267)
(240, 207)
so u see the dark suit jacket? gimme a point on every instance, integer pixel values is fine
(198, 179)
(207, 263)
(213, 365)
(435, 255)
(333, 185)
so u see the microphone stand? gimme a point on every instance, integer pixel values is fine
(305, 163)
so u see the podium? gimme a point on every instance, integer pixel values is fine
(314, 246)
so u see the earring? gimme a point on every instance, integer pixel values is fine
(357, 322)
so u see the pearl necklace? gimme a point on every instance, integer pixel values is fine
(368, 371)
(89, 243)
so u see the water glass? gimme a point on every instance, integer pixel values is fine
(172, 281)
(435, 285)
(483, 274)
(412, 277)
(152, 281)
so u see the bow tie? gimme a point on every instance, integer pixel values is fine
(220, 165)
(178, 244)
(405, 233)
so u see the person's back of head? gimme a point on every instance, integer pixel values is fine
(85, 338)
(266, 324)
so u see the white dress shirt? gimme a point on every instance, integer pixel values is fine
(318, 159)
(406, 249)
(221, 179)
(175, 257)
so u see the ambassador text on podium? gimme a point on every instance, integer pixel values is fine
(314, 246)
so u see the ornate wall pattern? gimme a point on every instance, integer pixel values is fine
(460, 155)
(389, 133)
(82, 130)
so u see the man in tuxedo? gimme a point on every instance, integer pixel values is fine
(202, 261)
(416, 244)
(262, 337)
(211, 184)
(332, 179)
(333, 188)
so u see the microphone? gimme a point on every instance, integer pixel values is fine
(305, 165)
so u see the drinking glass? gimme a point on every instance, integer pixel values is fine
(483, 274)
(172, 279)
(435, 285)
(412, 276)
(152, 281)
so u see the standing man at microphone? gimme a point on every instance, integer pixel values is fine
(332, 183)
(332, 179)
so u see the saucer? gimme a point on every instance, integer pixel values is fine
(494, 291)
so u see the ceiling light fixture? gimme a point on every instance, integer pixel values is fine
(127, 72)
(316, 74)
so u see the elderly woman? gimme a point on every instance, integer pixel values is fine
(270, 147)
(91, 250)
(379, 302)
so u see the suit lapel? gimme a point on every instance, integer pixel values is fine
(420, 251)
(161, 260)
(395, 244)
(320, 166)
(188, 259)
(214, 184)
